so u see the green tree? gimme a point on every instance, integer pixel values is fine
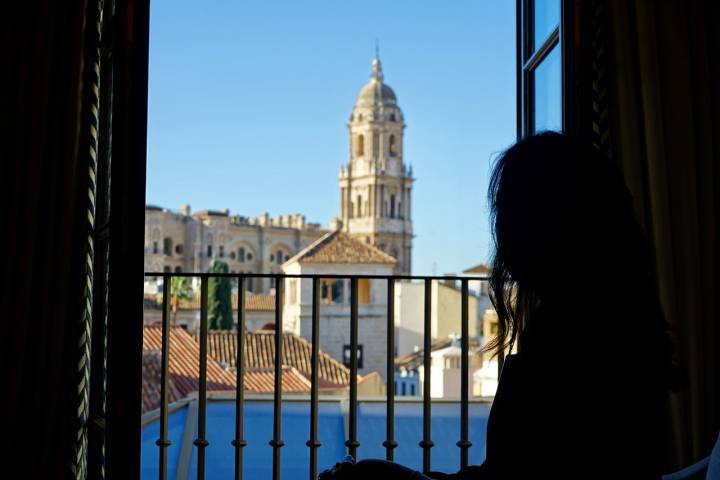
(220, 314)
(180, 289)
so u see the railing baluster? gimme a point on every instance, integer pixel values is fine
(164, 442)
(239, 442)
(426, 442)
(201, 442)
(352, 443)
(390, 444)
(314, 443)
(464, 443)
(277, 442)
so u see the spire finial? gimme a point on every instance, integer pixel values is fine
(377, 75)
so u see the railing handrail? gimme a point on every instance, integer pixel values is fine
(348, 276)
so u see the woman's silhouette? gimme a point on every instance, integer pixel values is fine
(572, 283)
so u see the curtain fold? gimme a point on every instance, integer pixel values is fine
(665, 112)
(47, 186)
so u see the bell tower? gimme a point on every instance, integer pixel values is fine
(375, 184)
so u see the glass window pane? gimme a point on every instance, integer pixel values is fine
(546, 18)
(547, 93)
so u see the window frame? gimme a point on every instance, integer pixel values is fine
(528, 60)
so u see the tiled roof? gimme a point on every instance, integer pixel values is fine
(339, 247)
(260, 354)
(481, 269)
(262, 380)
(414, 360)
(151, 382)
(253, 303)
(183, 367)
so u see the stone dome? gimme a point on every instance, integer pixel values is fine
(375, 92)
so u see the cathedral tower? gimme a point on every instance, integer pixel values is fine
(376, 185)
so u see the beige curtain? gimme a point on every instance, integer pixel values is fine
(664, 94)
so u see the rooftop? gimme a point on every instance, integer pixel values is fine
(414, 360)
(339, 247)
(253, 303)
(482, 269)
(183, 370)
(260, 355)
(182, 367)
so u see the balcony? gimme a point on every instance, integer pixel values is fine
(227, 428)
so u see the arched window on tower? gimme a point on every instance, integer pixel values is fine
(241, 255)
(393, 146)
(359, 206)
(392, 206)
(360, 149)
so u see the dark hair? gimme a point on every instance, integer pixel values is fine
(563, 224)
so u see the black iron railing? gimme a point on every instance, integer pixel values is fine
(313, 443)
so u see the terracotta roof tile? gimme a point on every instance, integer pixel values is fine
(152, 367)
(259, 374)
(183, 367)
(262, 380)
(253, 303)
(260, 354)
(339, 247)
(481, 269)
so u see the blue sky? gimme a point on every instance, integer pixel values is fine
(249, 102)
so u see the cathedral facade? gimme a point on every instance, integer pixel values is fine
(375, 206)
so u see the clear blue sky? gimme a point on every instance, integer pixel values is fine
(249, 102)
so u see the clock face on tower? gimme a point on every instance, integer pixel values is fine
(376, 184)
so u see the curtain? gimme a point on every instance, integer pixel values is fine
(49, 124)
(664, 103)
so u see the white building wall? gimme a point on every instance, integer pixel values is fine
(408, 317)
(335, 318)
(445, 314)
